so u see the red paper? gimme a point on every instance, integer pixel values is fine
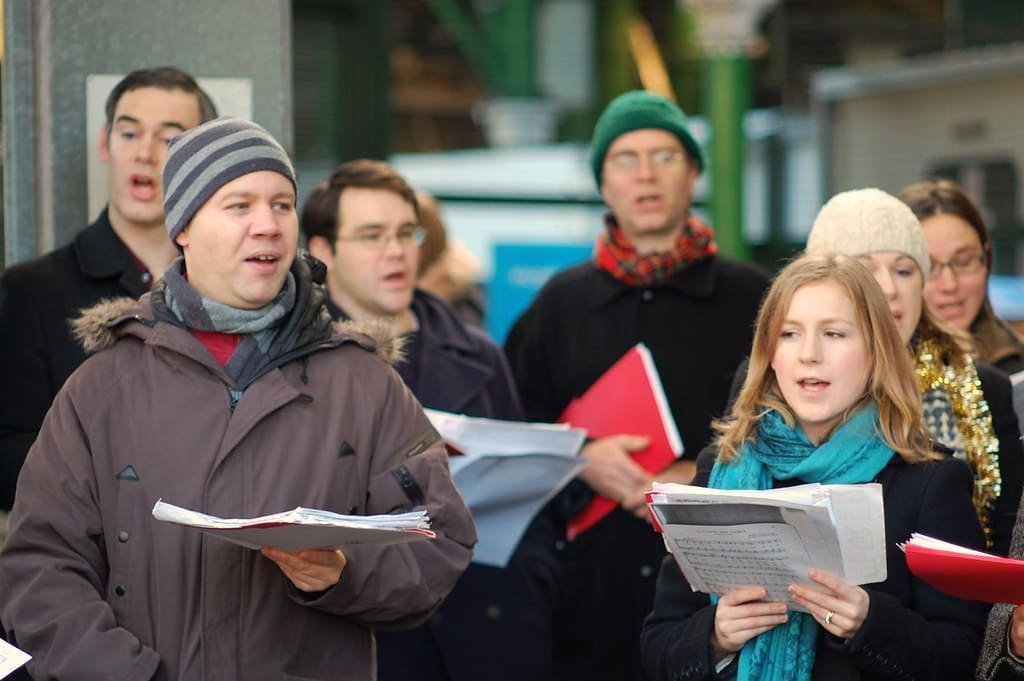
(974, 577)
(627, 399)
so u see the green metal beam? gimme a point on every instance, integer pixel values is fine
(502, 46)
(469, 38)
(727, 85)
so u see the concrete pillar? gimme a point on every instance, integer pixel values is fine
(52, 46)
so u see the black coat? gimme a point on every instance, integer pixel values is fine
(912, 631)
(37, 351)
(496, 623)
(698, 326)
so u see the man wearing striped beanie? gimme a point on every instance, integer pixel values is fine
(227, 390)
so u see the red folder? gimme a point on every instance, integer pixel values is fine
(963, 573)
(629, 399)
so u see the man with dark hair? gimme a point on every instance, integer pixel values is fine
(163, 78)
(655, 278)
(228, 390)
(119, 254)
(497, 623)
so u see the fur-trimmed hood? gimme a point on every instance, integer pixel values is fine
(100, 326)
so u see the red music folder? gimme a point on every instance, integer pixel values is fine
(629, 399)
(965, 573)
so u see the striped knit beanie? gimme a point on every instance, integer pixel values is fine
(204, 159)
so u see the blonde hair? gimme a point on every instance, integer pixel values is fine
(956, 345)
(891, 384)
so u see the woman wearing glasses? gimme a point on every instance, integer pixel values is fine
(961, 253)
(968, 405)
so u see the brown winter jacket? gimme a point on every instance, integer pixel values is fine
(94, 587)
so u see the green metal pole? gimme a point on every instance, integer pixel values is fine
(727, 84)
(513, 27)
(616, 71)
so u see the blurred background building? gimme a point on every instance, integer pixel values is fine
(489, 105)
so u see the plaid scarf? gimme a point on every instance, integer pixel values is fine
(616, 255)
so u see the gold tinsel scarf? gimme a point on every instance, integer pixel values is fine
(973, 418)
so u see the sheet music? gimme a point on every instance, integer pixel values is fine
(724, 539)
(303, 528)
(506, 471)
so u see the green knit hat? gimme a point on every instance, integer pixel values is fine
(636, 110)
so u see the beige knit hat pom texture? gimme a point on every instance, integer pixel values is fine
(865, 221)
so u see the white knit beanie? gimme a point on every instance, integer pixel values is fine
(865, 221)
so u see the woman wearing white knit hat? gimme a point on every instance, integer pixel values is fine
(968, 405)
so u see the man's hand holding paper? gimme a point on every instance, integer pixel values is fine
(310, 570)
(612, 472)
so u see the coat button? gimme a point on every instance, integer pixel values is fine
(493, 612)
(647, 295)
(120, 590)
(122, 536)
(146, 277)
(560, 545)
(646, 571)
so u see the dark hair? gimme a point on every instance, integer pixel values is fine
(945, 197)
(165, 78)
(993, 338)
(320, 210)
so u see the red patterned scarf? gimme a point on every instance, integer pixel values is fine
(616, 255)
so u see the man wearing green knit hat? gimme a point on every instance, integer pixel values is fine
(655, 278)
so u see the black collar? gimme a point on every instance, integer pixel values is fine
(102, 255)
(695, 281)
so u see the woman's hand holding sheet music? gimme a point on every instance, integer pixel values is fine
(840, 609)
(741, 615)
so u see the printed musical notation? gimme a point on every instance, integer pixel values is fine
(773, 538)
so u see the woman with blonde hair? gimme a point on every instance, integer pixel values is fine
(831, 397)
(968, 405)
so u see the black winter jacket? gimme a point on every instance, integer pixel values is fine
(38, 298)
(912, 631)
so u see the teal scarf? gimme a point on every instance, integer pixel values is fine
(855, 453)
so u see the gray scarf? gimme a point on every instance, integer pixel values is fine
(173, 296)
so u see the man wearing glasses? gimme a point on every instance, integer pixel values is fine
(655, 278)
(497, 623)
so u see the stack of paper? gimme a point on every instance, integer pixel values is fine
(724, 539)
(965, 573)
(506, 471)
(303, 528)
